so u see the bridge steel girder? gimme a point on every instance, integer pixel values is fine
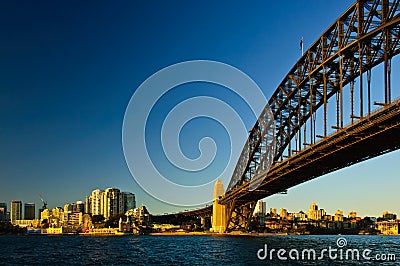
(364, 36)
(239, 215)
(372, 136)
(367, 34)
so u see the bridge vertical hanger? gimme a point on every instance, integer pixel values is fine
(360, 6)
(369, 90)
(289, 127)
(300, 116)
(311, 112)
(340, 45)
(352, 101)
(323, 42)
(325, 102)
(386, 48)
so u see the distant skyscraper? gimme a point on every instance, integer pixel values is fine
(261, 210)
(29, 211)
(127, 202)
(16, 211)
(111, 202)
(88, 204)
(3, 211)
(96, 200)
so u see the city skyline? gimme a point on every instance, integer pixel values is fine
(63, 96)
(265, 207)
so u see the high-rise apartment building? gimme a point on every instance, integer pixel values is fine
(88, 204)
(261, 210)
(126, 202)
(29, 211)
(3, 211)
(96, 202)
(314, 213)
(79, 206)
(16, 211)
(111, 202)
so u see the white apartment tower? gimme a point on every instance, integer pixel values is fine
(96, 202)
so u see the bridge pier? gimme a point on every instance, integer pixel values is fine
(239, 216)
(218, 218)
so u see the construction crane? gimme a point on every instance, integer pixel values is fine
(44, 202)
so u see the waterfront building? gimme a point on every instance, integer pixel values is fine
(58, 230)
(300, 216)
(96, 202)
(387, 216)
(16, 211)
(388, 227)
(126, 202)
(111, 202)
(79, 206)
(124, 226)
(3, 211)
(314, 213)
(55, 217)
(352, 215)
(35, 223)
(283, 213)
(75, 219)
(139, 216)
(338, 216)
(88, 204)
(45, 215)
(68, 208)
(29, 211)
(261, 211)
(273, 213)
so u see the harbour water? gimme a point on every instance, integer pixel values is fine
(196, 250)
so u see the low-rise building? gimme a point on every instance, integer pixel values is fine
(388, 227)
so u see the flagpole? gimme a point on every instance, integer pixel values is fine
(302, 46)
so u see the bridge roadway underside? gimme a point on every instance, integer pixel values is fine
(369, 137)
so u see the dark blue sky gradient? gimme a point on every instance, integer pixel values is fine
(69, 68)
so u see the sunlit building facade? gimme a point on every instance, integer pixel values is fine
(16, 211)
(29, 211)
(96, 202)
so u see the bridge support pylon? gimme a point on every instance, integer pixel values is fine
(218, 218)
(239, 216)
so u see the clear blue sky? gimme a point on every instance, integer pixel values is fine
(69, 68)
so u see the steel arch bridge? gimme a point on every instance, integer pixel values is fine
(333, 74)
